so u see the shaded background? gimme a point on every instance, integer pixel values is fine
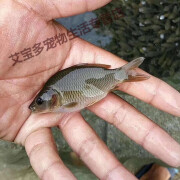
(129, 29)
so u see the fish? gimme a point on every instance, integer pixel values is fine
(79, 86)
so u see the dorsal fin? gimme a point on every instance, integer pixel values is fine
(94, 65)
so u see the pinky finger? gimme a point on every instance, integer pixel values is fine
(44, 158)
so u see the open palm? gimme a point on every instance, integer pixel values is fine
(24, 23)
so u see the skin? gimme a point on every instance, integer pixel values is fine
(22, 24)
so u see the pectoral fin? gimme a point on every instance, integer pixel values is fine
(70, 105)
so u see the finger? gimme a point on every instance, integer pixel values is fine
(157, 93)
(35, 122)
(62, 8)
(139, 128)
(92, 150)
(152, 91)
(44, 157)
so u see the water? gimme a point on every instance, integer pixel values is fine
(91, 36)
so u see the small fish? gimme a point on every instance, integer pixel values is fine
(82, 85)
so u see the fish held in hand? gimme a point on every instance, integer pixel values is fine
(82, 85)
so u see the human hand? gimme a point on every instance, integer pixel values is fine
(24, 23)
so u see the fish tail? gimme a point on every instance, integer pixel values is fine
(132, 75)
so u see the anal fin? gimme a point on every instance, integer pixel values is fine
(115, 88)
(90, 104)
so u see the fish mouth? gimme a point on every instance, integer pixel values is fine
(32, 107)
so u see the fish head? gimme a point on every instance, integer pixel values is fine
(46, 101)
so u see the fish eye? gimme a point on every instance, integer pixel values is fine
(39, 101)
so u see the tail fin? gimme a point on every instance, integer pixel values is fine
(132, 74)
